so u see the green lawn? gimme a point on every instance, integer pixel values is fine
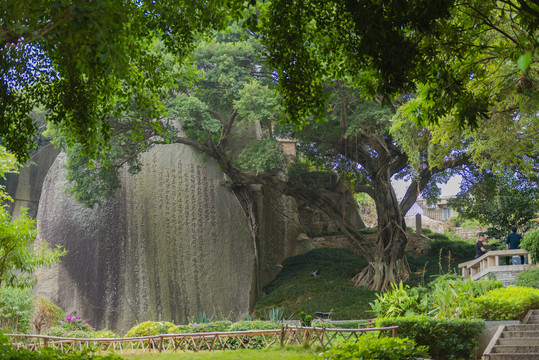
(271, 354)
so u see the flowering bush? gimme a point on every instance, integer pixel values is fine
(75, 323)
(71, 326)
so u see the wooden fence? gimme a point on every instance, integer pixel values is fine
(210, 341)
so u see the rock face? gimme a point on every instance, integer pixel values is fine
(25, 187)
(173, 243)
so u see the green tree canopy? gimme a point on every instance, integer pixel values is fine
(18, 258)
(354, 151)
(87, 61)
(498, 200)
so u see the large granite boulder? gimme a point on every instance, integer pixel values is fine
(174, 242)
(25, 187)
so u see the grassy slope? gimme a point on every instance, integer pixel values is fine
(295, 290)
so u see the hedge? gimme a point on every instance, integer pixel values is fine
(375, 349)
(511, 303)
(447, 339)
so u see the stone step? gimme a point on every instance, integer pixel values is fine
(518, 341)
(522, 327)
(534, 319)
(520, 334)
(513, 356)
(515, 349)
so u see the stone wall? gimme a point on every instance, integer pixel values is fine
(441, 227)
(173, 243)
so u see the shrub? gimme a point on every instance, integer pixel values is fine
(400, 301)
(530, 242)
(375, 348)
(341, 325)
(276, 314)
(305, 320)
(426, 231)
(510, 303)
(16, 308)
(46, 314)
(438, 236)
(458, 248)
(447, 339)
(254, 325)
(367, 230)
(253, 342)
(150, 328)
(79, 334)
(7, 352)
(195, 328)
(529, 278)
(75, 323)
(449, 295)
(104, 334)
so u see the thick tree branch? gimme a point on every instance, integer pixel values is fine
(326, 201)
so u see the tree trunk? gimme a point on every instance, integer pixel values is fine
(246, 199)
(387, 262)
(386, 265)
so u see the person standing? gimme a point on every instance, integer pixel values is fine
(480, 246)
(513, 242)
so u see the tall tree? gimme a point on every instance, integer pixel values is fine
(499, 200)
(89, 60)
(234, 90)
(18, 258)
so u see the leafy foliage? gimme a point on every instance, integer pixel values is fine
(385, 348)
(209, 104)
(150, 328)
(401, 300)
(305, 53)
(8, 164)
(530, 242)
(499, 200)
(46, 314)
(74, 326)
(254, 342)
(446, 297)
(75, 323)
(441, 245)
(529, 278)
(447, 339)
(16, 309)
(87, 61)
(10, 353)
(305, 320)
(449, 296)
(511, 303)
(262, 156)
(18, 259)
(201, 327)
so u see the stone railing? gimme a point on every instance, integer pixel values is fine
(490, 262)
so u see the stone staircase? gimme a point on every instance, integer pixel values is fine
(516, 342)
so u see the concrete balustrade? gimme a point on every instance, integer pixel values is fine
(491, 263)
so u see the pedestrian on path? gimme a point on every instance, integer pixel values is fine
(480, 246)
(513, 242)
